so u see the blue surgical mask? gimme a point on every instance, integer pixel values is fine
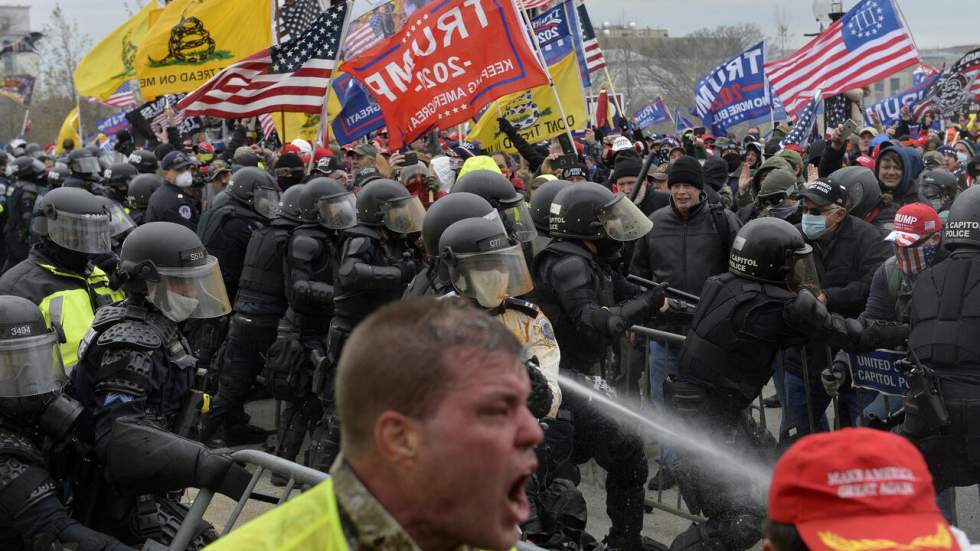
(813, 224)
(961, 157)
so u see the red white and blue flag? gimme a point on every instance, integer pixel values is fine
(866, 45)
(124, 97)
(803, 127)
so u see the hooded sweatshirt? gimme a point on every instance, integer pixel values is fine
(892, 200)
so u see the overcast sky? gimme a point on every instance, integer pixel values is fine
(936, 23)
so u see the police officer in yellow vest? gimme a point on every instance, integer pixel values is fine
(70, 225)
(437, 441)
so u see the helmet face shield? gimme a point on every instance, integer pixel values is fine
(119, 221)
(192, 292)
(84, 233)
(803, 274)
(265, 201)
(517, 220)
(338, 212)
(30, 366)
(86, 165)
(404, 215)
(624, 221)
(491, 277)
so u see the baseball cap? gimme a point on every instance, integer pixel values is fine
(842, 488)
(175, 160)
(366, 150)
(870, 130)
(913, 222)
(823, 193)
(621, 143)
(933, 159)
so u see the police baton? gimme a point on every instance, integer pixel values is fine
(806, 389)
(642, 176)
(676, 293)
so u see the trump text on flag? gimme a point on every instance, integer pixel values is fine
(733, 92)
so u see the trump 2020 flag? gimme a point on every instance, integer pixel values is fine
(866, 45)
(734, 91)
(802, 130)
(681, 123)
(558, 34)
(889, 110)
(359, 116)
(652, 113)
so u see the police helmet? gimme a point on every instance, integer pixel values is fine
(387, 203)
(289, 203)
(141, 188)
(118, 175)
(16, 147)
(484, 263)
(31, 372)
(963, 223)
(448, 210)
(120, 223)
(57, 175)
(84, 164)
(33, 150)
(772, 250)
(244, 156)
(144, 161)
(255, 188)
(863, 191)
(168, 264)
(29, 169)
(328, 202)
(541, 203)
(498, 190)
(74, 219)
(937, 188)
(587, 210)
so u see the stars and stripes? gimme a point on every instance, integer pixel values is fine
(534, 4)
(295, 16)
(364, 33)
(923, 72)
(292, 76)
(866, 45)
(803, 128)
(836, 110)
(124, 97)
(594, 59)
(268, 125)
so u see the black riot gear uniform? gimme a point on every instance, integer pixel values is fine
(941, 419)
(29, 183)
(144, 161)
(36, 425)
(85, 169)
(140, 189)
(432, 278)
(541, 211)
(116, 181)
(498, 190)
(260, 304)
(57, 175)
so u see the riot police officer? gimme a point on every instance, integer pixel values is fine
(765, 303)
(36, 423)
(432, 278)
(258, 307)
(171, 202)
(140, 190)
(58, 174)
(590, 305)
(498, 190)
(541, 211)
(938, 189)
(941, 414)
(116, 181)
(85, 169)
(297, 360)
(30, 179)
(144, 161)
(71, 226)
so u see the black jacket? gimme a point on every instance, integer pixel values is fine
(172, 204)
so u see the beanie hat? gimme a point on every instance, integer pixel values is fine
(686, 170)
(626, 165)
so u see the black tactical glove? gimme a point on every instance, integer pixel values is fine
(220, 473)
(540, 400)
(807, 311)
(655, 297)
(284, 358)
(409, 267)
(883, 334)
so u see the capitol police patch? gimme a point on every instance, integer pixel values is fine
(185, 212)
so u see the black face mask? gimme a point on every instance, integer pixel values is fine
(733, 161)
(286, 181)
(610, 250)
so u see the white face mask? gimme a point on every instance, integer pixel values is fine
(180, 307)
(184, 179)
(490, 287)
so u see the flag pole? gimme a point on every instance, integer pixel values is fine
(612, 88)
(326, 97)
(78, 111)
(23, 125)
(551, 81)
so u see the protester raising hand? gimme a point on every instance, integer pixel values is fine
(744, 178)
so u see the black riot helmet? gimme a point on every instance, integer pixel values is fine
(937, 188)
(118, 176)
(255, 188)
(499, 191)
(541, 203)
(33, 150)
(57, 175)
(31, 372)
(29, 169)
(590, 211)
(387, 203)
(328, 202)
(962, 227)
(74, 219)
(83, 164)
(144, 161)
(168, 264)
(484, 263)
(772, 250)
(448, 210)
(141, 188)
(120, 223)
(290, 202)
(863, 191)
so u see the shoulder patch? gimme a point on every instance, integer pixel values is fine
(133, 333)
(185, 212)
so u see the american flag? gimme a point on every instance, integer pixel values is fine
(532, 4)
(268, 125)
(295, 16)
(292, 76)
(803, 128)
(923, 72)
(366, 31)
(836, 110)
(178, 116)
(594, 59)
(866, 45)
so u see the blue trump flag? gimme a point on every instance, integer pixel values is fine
(359, 116)
(559, 34)
(734, 91)
(889, 110)
(681, 123)
(652, 113)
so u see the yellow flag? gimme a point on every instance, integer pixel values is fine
(192, 40)
(534, 113)
(110, 63)
(290, 126)
(69, 129)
